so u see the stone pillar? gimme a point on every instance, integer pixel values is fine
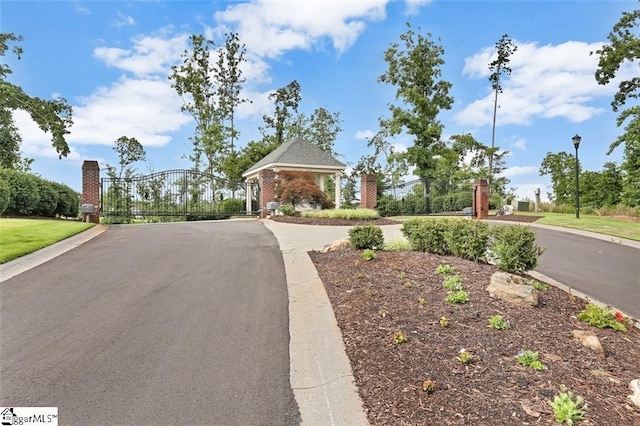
(369, 192)
(338, 181)
(91, 189)
(267, 179)
(481, 201)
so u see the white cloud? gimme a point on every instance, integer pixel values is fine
(36, 143)
(123, 20)
(546, 81)
(413, 6)
(270, 28)
(147, 109)
(364, 134)
(399, 147)
(510, 172)
(149, 54)
(521, 144)
(82, 9)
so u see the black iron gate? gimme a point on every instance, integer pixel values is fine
(412, 198)
(174, 195)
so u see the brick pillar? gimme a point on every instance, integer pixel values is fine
(91, 189)
(369, 192)
(267, 180)
(481, 202)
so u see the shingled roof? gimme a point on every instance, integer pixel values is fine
(297, 152)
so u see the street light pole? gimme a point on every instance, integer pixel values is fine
(576, 143)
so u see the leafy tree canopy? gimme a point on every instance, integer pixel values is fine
(52, 116)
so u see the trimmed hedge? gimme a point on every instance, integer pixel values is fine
(511, 247)
(366, 237)
(231, 205)
(24, 194)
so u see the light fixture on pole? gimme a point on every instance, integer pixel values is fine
(576, 143)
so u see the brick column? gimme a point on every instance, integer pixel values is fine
(267, 180)
(369, 192)
(481, 202)
(91, 189)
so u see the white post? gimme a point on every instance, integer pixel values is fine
(338, 185)
(247, 196)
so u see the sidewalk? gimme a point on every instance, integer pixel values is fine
(321, 374)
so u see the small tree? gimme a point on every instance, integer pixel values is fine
(293, 187)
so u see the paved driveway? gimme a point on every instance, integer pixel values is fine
(154, 324)
(605, 270)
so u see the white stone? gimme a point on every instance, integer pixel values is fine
(634, 387)
(512, 288)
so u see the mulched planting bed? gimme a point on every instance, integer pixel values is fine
(372, 300)
(515, 218)
(332, 222)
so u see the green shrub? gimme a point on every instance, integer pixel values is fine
(366, 237)
(231, 205)
(68, 201)
(514, 247)
(457, 296)
(602, 317)
(467, 238)
(287, 209)
(23, 188)
(387, 206)
(368, 254)
(568, 408)
(48, 199)
(427, 234)
(5, 195)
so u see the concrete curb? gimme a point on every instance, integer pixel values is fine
(321, 374)
(31, 260)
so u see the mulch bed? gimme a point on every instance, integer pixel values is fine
(493, 389)
(515, 218)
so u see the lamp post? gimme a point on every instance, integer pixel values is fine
(576, 143)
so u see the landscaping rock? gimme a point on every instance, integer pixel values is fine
(341, 244)
(589, 340)
(634, 387)
(512, 288)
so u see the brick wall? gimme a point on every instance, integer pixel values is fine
(481, 202)
(267, 179)
(91, 188)
(369, 192)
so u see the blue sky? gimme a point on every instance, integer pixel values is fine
(111, 59)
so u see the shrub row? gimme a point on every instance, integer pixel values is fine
(512, 248)
(416, 204)
(24, 194)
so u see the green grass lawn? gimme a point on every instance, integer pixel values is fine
(23, 236)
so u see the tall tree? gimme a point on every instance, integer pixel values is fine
(286, 100)
(414, 69)
(561, 168)
(499, 67)
(624, 46)
(210, 90)
(321, 128)
(52, 116)
(129, 151)
(230, 78)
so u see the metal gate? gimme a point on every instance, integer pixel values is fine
(174, 195)
(412, 198)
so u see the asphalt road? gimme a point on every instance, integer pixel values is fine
(606, 271)
(155, 324)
